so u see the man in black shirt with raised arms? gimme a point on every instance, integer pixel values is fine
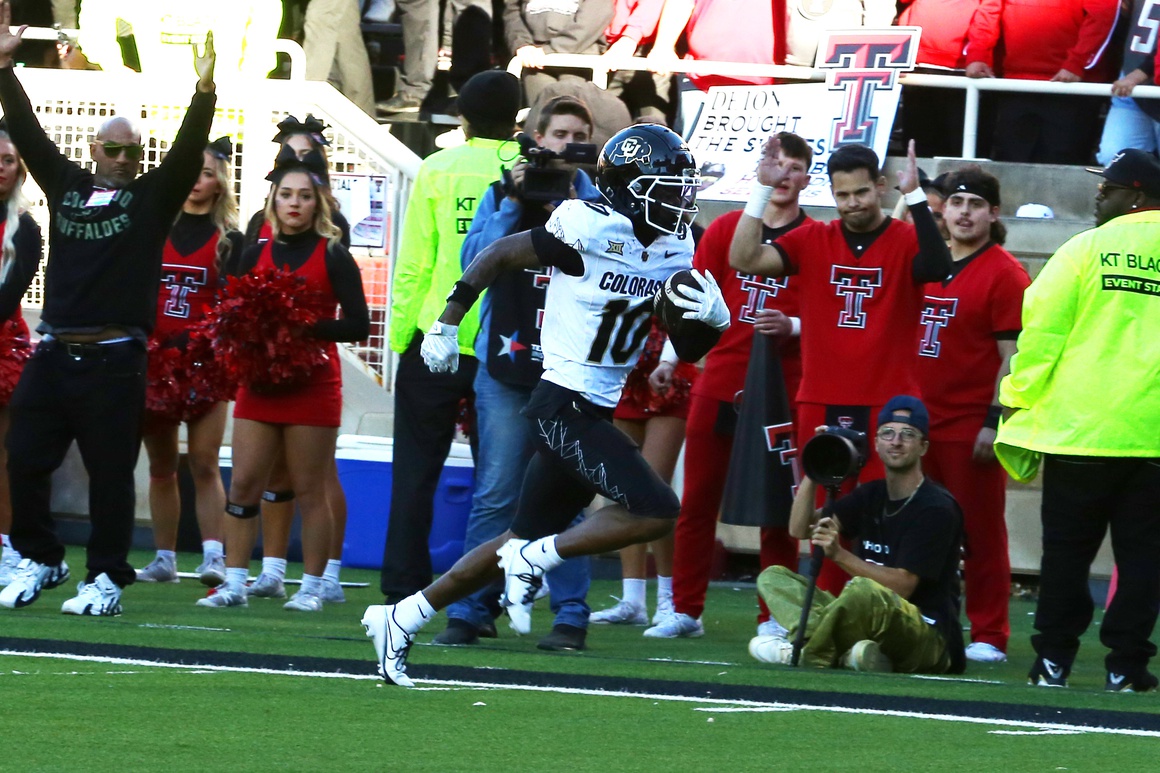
(900, 612)
(86, 380)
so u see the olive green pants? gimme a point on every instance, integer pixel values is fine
(864, 610)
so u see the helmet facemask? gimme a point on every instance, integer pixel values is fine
(669, 201)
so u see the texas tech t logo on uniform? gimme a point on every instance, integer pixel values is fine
(936, 314)
(855, 285)
(758, 289)
(179, 282)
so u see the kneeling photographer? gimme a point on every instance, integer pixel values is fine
(510, 363)
(900, 612)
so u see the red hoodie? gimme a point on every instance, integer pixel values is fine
(1041, 37)
(955, 33)
(636, 19)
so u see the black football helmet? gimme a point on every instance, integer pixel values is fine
(647, 173)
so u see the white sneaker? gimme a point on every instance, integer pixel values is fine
(100, 598)
(8, 564)
(772, 628)
(29, 580)
(267, 586)
(212, 571)
(159, 570)
(332, 592)
(771, 649)
(981, 652)
(521, 581)
(676, 625)
(624, 613)
(664, 609)
(392, 643)
(303, 602)
(225, 596)
(866, 655)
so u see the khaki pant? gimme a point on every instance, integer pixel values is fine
(864, 610)
(335, 50)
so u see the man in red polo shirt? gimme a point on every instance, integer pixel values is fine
(860, 280)
(755, 302)
(970, 321)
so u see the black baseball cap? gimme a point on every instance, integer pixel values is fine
(1133, 168)
(917, 418)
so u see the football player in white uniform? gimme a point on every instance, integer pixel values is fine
(607, 264)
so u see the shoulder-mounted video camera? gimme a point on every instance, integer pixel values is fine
(834, 455)
(543, 182)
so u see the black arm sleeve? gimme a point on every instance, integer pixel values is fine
(25, 261)
(693, 340)
(933, 262)
(552, 252)
(44, 160)
(254, 227)
(182, 164)
(343, 225)
(346, 281)
(232, 258)
(242, 262)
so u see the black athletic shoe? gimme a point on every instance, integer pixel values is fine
(1047, 673)
(458, 633)
(487, 631)
(564, 638)
(1144, 681)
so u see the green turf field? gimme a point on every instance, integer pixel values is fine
(172, 685)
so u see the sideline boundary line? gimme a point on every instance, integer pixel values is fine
(723, 697)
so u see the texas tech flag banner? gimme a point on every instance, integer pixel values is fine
(763, 469)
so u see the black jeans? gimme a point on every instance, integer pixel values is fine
(426, 406)
(1082, 497)
(94, 394)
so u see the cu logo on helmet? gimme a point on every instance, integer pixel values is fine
(632, 149)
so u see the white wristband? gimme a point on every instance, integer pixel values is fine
(669, 354)
(916, 196)
(759, 196)
(795, 326)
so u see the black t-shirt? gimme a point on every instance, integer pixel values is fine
(922, 536)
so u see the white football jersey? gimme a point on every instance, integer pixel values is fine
(595, 325)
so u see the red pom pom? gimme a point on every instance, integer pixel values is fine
(637, 391)
(14, 350)
(164, 397)
(257, 330)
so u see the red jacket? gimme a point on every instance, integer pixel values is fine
(1041, 37)
(636, 19)
(955, 33)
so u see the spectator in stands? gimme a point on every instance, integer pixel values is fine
(756, 303)
(64, 13)
(716, 30)
(1064, 42)
(901, 610)
(420, 20)
(155, 36)
(860, 279)
(958, 38)
(935, 197)
(87, 379)
(1082, 395)
(510, 365)
(1134, 123)
(335, 51)
(806, 20)
(631, 33)
(536, 28)
(970, 322)
(446, 192)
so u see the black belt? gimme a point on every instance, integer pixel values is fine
(80, 351)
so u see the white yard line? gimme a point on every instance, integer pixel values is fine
(715, 705)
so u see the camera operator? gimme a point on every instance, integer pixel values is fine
(900, 612)
(508, 349)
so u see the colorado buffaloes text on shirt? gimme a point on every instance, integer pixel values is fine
(595, 324)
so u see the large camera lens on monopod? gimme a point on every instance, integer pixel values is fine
(834, 455)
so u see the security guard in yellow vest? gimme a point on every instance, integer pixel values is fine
(1084, 389)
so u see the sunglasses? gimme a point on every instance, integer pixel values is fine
(114, 149)
(906, 435)
(1105, 188)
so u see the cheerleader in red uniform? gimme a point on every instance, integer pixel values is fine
(278, 500)
(202, 240)
(652, 411)
(19, 258)
(300, 418)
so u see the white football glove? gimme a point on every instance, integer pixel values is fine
(705, 305)
(440, 348)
